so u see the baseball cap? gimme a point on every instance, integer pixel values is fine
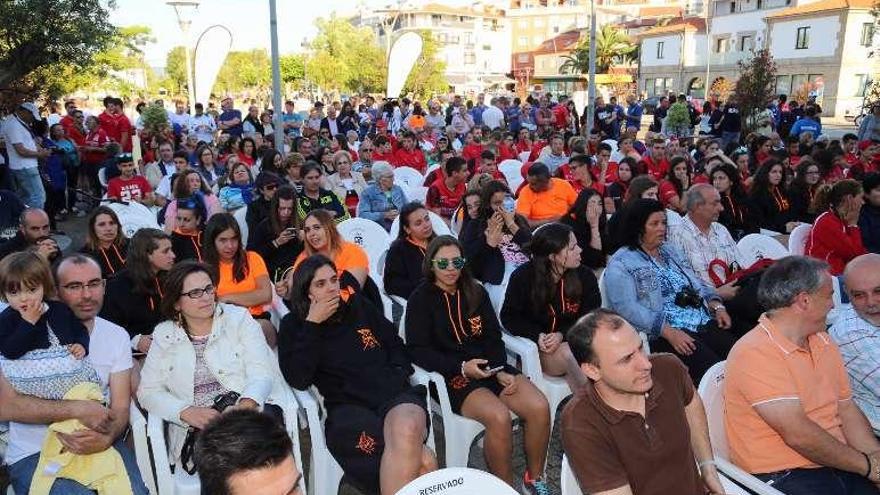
(30, 107)
(124, 158)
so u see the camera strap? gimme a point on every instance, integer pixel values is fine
(677, 267)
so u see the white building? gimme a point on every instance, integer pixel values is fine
(819, 46)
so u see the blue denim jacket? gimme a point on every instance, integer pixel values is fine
(633, 290)
(373, 204)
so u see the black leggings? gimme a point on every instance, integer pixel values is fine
(712, 346)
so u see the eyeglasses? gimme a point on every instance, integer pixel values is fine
(197, 293)
(79, 286)
(457, 263)
(343, 162)
(270, 187)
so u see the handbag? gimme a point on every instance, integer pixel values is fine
(187, 461)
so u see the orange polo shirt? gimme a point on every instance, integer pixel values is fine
(349, 256)
(554, 202)
(256, 269)
(764, 366)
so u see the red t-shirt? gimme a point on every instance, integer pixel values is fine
(442, 198)
(507, 153)
(610, 172)
(115, 125)
(410, 158)
(134, 189)
(77, 137)
(560, 116)
(472, 152)
(657, 171)
(96, 138)
(383, 157)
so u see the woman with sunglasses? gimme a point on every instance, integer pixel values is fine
(266, 184)
(345, 183)
(207, 349)
(377, 423)
(239, 189)
(547, 295)
(105, 241)
(191, 184)
(406, 256)
(186, 238)
(276, 237)
(244, 279)
(452, 329)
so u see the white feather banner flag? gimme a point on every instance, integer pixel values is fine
(404, 53)
(211, 50)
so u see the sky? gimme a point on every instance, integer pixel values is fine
(247, 19)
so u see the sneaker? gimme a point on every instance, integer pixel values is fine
(535, 487)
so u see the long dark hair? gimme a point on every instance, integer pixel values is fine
(407, 210)
(287, 193)
(142, 245)
(267, 164)
(737, 191)
(173, 286)
(548, 240)
(219, 223)
(832, 196)
(302, 281)
(634, 219)
(578, 211)
(471, 292)
(675, 181)
(92, 239)
(761, 184)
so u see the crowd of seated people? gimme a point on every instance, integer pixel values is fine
(188, 307)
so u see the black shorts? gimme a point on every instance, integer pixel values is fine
(460, 387)
(356, 438)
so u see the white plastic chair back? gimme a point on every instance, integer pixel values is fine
(240, 216)
(440, 227)
(754, 247)
(458, 481)
(567, 482)
(431, 169)
(134, 216)
(797, 241)
(141, 446)
(511, 170)
(524, 156)
(416, 193)
(367, 234)
(603, 292)
(612, 143)
(711, 391)
(408, 177)
(102, 177)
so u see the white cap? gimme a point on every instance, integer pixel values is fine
(30, 107)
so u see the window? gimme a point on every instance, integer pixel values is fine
(660, 49)
(732, 7)
(803, 38)
(522, 58)
(862, 83)
(522, 41)
(721, 45)
(523, 23)
(435, 19)
(867, 34)
(799, 82)
(746, 43)
(487, 47)
(556, 29)
(470, 58)
(783, 85)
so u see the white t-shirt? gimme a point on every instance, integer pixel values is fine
(16, 132)
(164, 187)
(109, 352)
(181, 119)
(493, 117)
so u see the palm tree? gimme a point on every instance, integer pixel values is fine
(612, 46)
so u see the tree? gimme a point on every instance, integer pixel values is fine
(428, 76)
(612, 46)
(755, 88)
(293, 68)
(245, 70)
(37, 34)
(346, 58)
(175, 69)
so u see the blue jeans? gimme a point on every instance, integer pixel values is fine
(22, 472)
(29, 187)
(820, 481)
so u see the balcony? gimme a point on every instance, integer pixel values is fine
(728, 58)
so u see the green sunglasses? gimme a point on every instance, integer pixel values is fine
(443, 263)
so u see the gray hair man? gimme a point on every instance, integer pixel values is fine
(707, 245)
(789, 412)
(857, 332)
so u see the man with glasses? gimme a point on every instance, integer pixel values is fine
(81, 287)
(364, 165)
(163, 190)
(164, 166)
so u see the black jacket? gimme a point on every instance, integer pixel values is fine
(768, 213)
(257, 211)
(14, 245)
(403, 268)
(137, 313)
(186, 246)
(520, 318)
(18, 336)
(441, 331)
(277, 259)
(869, 224)
(111, 260)
(357, 359)
(736, 216)
(487, 262)
(591, 257)
(801, 199)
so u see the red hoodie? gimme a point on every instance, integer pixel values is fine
(658, 171)
(833, 241)
(414, 158)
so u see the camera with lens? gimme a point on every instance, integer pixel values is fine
(688, 298)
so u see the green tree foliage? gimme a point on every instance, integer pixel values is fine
(175, 70)
(346, 58)
(244, 70)
(756, 86)
(38, 34)
(293, 68)
(612, 46)
(428, 76)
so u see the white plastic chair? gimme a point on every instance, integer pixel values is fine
(672, 218)
(180, 482)
(797, 241)
(837, 297)
(240, 216)
(440, 227)
(367, 234)
(524, 156)
(555, 389)
(102, 177)
(754, 247)
(408, 177)
(457, 481)
(431, 169)
(133, 217)
(416, 193)
(141, 446)
(711, 390)
(511, 170)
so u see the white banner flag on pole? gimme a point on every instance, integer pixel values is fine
(401, 60)
(211, 50)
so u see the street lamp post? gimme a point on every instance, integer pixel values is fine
(591, 83)
(276, 79)
(184, 9)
